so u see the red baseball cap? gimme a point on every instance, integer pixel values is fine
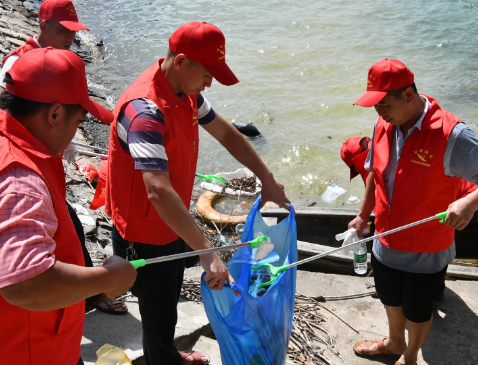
(62, 11)
(383, 76)
(204, 43)
(354, 152)
(48, 75)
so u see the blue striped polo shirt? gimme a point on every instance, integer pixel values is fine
(141, 130)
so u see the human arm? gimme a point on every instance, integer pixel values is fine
(366, 208)
(29, 275)
(461, 211)
(243, 152)
(461, 160)
(171, 209)
(65, 284)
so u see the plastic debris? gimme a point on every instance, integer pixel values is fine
(88, 170)
(112, 355)
(332, 193)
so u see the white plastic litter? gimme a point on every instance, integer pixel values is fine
(332, 193)
(217, 186)
(353, 200)
(350, 236)
(263, 250)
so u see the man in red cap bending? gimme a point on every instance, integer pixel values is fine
(419, 155)
(354, 152)
(152, 160)
(43, 281)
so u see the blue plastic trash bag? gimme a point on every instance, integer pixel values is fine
(256, 331)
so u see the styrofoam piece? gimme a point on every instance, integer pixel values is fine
(217, 186)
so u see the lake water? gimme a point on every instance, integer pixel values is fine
(301, 64)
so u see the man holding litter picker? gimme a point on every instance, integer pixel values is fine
(43, 281)
(152, 160)
(418, 154)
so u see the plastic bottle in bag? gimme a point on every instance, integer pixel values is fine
(259, 276)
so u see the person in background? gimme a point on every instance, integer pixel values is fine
(43, 281)
(354, 152)
(419, 154)
(58, 26)
(152, 159)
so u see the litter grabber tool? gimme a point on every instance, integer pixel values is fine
(261, 243)
(92, 147)
(275, 271)
(208, 178)
(93, 154)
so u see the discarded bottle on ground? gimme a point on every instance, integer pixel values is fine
(360, 259)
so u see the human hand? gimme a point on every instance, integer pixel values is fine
(216, 272)
(273, 191)
(359, 223)
(460, 213)
(121, 275)
(70, 153)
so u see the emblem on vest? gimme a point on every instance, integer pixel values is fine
(195, 117)
(222, 52)
(423, 158)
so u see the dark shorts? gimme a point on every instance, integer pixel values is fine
(414, 292)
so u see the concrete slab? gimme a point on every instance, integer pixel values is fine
(125, 332)
(453, 338)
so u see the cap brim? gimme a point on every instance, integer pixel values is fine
(222, 74)
(370, 98)
(99, 112)
(73, 25)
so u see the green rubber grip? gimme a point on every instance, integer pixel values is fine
(255, 243)
(442, 216)
(138, 263)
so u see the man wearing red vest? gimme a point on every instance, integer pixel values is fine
(58, 26)
(419, 154)
(152, 160)
(43, 281)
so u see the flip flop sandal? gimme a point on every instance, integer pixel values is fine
(384, 352)
(111, 304)
(189, 357)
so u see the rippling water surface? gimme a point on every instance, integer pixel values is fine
(301, 64)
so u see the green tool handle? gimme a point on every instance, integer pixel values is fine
(442, 216)
(255, 243)
(138, 263)
(209, 177)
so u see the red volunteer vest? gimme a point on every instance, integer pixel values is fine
(421, 188)
(126, 199)
(48, 337)
(28, 46)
